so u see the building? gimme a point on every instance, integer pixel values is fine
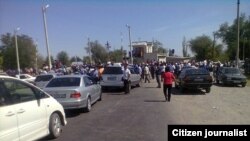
(143, 52)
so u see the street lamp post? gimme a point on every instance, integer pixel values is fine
(46, 33)
(17, 52)
(238, 33)
(130, 45)
(36, 58)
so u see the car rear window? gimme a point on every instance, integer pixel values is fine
(112, 70)
(197, 71)
(64, 82)
(232, 71)
(43, 78)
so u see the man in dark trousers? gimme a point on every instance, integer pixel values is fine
(158, 75)
(168, 78)
(126, 78)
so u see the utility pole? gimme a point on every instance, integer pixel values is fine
(238, 34)
(89, 47)
(36, 58)
(17, 52)
(46, 34)
(108, 47)
(130, 45)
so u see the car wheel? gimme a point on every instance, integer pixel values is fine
(55, 126)
(176, 86)
(129, 87)
(100, 98)
(208, 90)
(138, 85)
(243, 84)
(181, 89)
(88, 105)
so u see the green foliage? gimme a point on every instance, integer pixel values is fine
(63, 57)
(75, 59)
(202, 47)
(1, 62)
(158, 47)
(26, 51)
(116, 55)
(99, 53)
(228, 34)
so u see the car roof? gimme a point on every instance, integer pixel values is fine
(72, 75)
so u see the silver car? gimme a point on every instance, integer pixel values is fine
(112, 77)
(74, 91)
(43, 79)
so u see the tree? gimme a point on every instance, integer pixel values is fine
(202, 46)
(26, 50)
(98, 52)
(228, 34)
(116, 55)
(75, 59)
(63, 58)
(158, 47)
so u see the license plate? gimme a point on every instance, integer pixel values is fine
(58, 95)
(198, 79)
(112, 78)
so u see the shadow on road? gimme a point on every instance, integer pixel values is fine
(154, 100)
(188, 92)
(73, 113)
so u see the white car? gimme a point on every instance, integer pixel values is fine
(26, 77)
(27, 112)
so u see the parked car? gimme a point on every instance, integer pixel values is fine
(112, 77)
(43, 79)
(28, 113)
(26, 77)
(74, 91)
(230, 76)
(192, 78)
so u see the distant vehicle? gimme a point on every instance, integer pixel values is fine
(26, 77)
(192, 78)
(28, 113)
(112, 77)
(74, 91)
(230, 76)
(43, 79)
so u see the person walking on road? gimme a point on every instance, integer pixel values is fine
(126, 78)
(168, 78)
(146, 73)
(158, 75)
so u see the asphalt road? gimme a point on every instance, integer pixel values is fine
(143, 115)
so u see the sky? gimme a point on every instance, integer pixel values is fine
(71, 22)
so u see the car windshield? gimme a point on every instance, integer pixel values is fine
(197, 72)
(64, 82)
(43, 78)
(232, 71)
(113, 70)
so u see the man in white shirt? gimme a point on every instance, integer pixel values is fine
(126, 78)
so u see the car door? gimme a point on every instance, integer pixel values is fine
(31, 113)
(8, 116)
(91, 88)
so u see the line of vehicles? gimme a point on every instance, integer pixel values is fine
(34, 107)
(193, 78)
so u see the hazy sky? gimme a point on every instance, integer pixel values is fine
(71, 22)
